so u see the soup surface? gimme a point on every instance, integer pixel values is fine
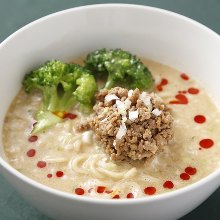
(74, 162)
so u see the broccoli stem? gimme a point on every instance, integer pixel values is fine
(110, 82)
(66, 101)
(50, 98)
(44, 119)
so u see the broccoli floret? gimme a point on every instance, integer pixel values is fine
(62, 85)
(86, 88)
(121, 68)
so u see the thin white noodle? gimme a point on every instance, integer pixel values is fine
(130, 173)
(74, 164)
(77, 145)
(94, 169)
(56, 159)
(115, 175)
(91, 164)
(108, 166)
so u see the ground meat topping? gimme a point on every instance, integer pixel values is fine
(131, 124)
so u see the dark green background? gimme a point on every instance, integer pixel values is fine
(17, 13)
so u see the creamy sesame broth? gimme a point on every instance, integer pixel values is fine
(75, 162)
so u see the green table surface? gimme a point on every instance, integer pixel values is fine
(16, 13)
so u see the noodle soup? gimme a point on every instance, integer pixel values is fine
(68, 160)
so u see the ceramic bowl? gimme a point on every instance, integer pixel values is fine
(149, 32)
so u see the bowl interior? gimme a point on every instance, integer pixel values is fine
(147, 32)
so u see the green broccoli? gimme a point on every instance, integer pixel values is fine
(62, 85)
(120, 68)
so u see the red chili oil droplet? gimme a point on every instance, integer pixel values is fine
(184, 76)
(168, 184)
(184, 176)
(59, 173)
(184, 92)
(31, 153)
(49, 175)
(150, 190)
(108, 191)
(193, 91)
(191, 170)
(162, 83)
(181, 99)
(70, 116)
(206, 143)
(100, 189)
(116, 197)
(41, 164)
(199, 119)
(33, 138)
(79, 191)
(159, 88)
(130, 196)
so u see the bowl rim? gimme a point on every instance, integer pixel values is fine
(123, 201)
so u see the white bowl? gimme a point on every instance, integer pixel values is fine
(148, 32)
